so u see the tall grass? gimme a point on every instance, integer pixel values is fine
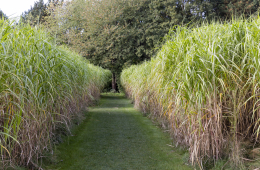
(205, 82)
(42, 87)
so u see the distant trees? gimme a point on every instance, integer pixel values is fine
(36, 14)
(115, 34)
(39, 12)
(3, 15)
(225, 9)
(93, 28)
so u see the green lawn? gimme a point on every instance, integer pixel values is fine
(116, 136)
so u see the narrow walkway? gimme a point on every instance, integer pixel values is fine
(115, 136)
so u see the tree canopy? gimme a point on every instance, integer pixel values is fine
(39, 12)
(226, 9)
(3, 15)
(115, 34)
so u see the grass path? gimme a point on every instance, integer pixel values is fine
(116, 136)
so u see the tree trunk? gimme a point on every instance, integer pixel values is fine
(114, 82)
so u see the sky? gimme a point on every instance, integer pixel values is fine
(14, 8)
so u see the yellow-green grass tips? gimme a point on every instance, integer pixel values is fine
(42, 88)
(205, 82)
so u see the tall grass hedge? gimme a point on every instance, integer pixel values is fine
(205, 82)
(43, 87)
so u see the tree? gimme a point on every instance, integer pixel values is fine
(37, 14)
(226, 9)
(78, 23)
(135, 34)
(3, 15)
(115, 34)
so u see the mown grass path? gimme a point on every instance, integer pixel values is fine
(115, 136)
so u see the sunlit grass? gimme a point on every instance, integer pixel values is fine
(205, 82)
(41, 86)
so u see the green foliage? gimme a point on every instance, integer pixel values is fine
(3, 15)
(36, 15)
(226, 9)
(42, 88)
(204, 81)
(116, 34)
